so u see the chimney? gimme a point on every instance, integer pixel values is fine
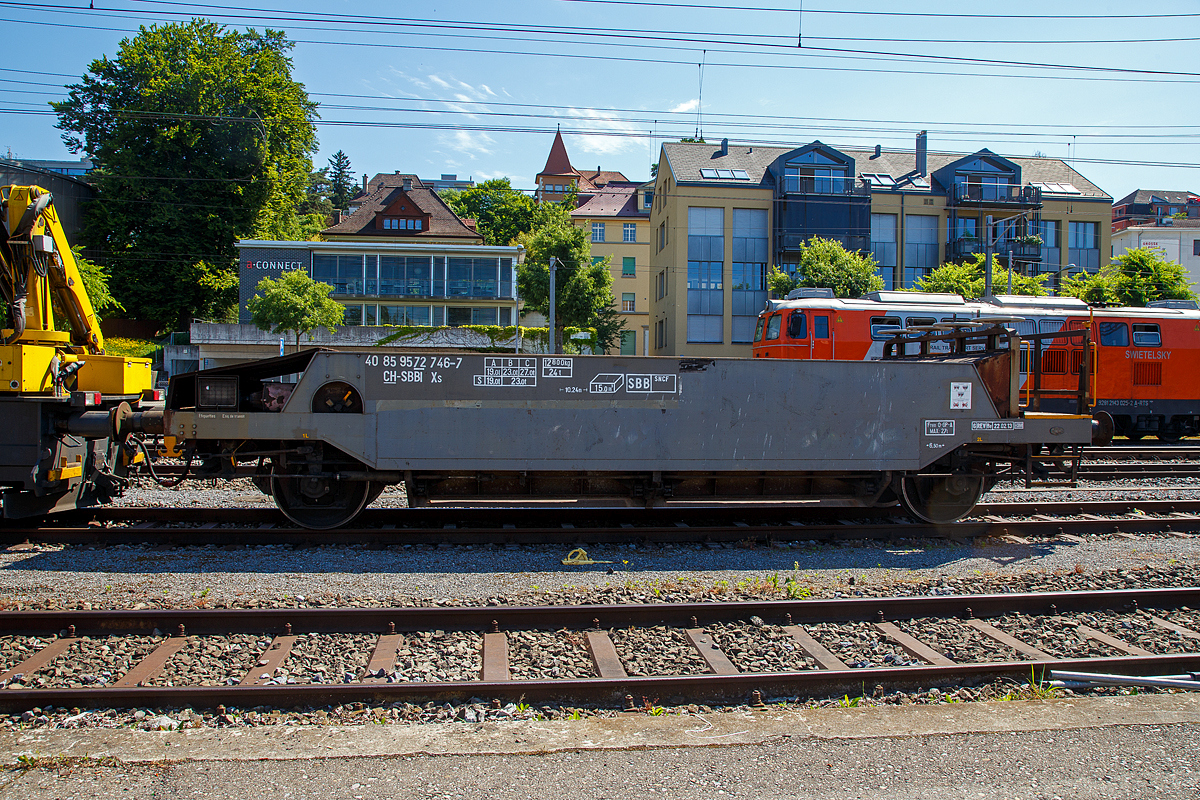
(878, 151)
(922, 153)
(724, 147)
(364, 182)
(407, 183)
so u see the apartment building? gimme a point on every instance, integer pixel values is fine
(617, 218)
(722, 215)
(1148, 206)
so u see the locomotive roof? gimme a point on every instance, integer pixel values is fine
(1012, 305)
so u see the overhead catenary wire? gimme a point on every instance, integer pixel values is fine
(784, 48)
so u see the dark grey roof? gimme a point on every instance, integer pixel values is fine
(687, 159)
(614, 200)
(382, 191)
(1142, 196)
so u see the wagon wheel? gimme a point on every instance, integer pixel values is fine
(941, 498)
(320, 503)
(1169, 434)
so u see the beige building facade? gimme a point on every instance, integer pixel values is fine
(617, 221)
(723, 215)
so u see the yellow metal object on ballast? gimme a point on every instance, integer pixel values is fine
(66, 470)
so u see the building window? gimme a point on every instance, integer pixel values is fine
(597, 231)
(749, 275)
(1051, 249)
(628, 302)
(920, 247)
(1082, 236)
(1196, 247)
(629, 232)
(883, 245)
(343, 273)
(660, 334)
(662, 235)
(628, 267)
(706, 261)
(1083, 242)
(661, 285)
(628, 343)
(648, 198)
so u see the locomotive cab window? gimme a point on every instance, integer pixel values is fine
(773, 325)
(1146, 335)
(758, 330)
(910, 321)
(821, 327)
(797, 325)
(1114, 334)
(883, 328)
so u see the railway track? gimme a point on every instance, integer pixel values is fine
(744, 524)
(624, 654)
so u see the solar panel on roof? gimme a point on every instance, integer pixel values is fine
(708, 173)
(741, 175)
(725, 173)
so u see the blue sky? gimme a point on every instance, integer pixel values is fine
(477, 88)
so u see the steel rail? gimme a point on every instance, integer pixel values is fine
(682, 688)
(748, 524)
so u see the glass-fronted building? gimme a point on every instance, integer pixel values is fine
(395, 283)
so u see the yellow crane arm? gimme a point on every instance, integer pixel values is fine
(38, 271)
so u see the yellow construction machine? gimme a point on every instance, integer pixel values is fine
(66, 407)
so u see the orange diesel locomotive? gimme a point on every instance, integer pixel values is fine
(1147, 360)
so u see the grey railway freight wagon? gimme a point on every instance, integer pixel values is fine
(927, 433)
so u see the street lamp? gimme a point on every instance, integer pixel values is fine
(1058, 277)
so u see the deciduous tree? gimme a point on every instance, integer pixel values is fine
(967, 279)
(501, 213)
(583, 286)
(296, 303)
(1134, 278)
(201, 137)
(825, 263)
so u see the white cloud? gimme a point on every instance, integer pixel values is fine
(610, 136)
(468, 143)
(683, 108)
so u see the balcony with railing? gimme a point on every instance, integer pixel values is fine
(995, 194)
(807, 184)
(1027, 248)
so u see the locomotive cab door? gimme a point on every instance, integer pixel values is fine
(822, 337)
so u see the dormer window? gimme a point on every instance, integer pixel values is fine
(401, 224)
(815, 172)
